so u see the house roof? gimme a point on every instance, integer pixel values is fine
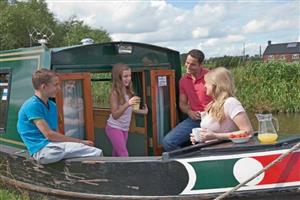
(283, 48)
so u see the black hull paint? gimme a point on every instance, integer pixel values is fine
(115, 178)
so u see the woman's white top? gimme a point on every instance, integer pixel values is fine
(232, 107)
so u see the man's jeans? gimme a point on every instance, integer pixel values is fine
(180, 134)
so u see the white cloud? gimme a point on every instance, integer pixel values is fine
(211, 42)
(200, 32)
(254, 26)
(283, 24)
(235, 38)
(217, 27)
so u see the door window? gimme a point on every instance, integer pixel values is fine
(73, 108)
(163, 105)
(101, 86)
(4, 98)
(74, 104)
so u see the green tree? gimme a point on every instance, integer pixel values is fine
(19, 18)
(76, 30)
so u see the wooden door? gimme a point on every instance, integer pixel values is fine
(163, 106)
(74, 104)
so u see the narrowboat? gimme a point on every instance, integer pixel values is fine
(202, 171)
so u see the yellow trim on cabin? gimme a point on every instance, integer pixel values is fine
(22, 53)
(12, 141)
(24, 58)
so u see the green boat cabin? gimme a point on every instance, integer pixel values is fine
(155, 75)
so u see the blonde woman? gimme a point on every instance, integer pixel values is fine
(225, 115)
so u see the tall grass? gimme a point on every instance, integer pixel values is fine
(9, 195)
(272, 86)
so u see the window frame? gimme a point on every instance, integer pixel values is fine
(295, 56)
(6, 71)
(101, 114)
(88, 110)
(95, 107)
(282, 57)
(270, 57)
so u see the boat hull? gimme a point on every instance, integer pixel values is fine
(203, 174)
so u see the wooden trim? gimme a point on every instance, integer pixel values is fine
(171, 75)
(88, 107)
(153, 76)
(60, 112)
(101, 115)
(173, 99)
(88, 110)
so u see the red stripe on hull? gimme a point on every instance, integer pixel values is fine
(287, 170)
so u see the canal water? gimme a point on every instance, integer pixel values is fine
(289, 123)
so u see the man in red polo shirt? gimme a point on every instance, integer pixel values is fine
(192, 100)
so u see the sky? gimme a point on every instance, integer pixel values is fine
(217, 27)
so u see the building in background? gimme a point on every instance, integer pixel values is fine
(289, 52)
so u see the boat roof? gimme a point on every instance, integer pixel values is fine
(59, 49)
(102, 56)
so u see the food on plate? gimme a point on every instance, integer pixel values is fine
(239, 137)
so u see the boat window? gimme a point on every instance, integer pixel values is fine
(73, 108)
(4, 98)
(74, 105)
(101, 85)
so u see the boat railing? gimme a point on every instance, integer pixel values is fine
(190, 149)
(225, 147)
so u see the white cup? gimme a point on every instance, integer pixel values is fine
(196, 134)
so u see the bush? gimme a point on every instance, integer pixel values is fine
(272, 86)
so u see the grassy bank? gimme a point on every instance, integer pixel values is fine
(19, 194)
(9, 195)
(271, 87)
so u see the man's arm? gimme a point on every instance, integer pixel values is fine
(184, 107)
(183, 103)
(54, 136)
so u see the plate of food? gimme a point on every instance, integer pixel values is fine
(239, 137)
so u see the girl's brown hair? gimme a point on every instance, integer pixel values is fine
(117, 84)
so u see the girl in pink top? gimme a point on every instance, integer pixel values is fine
(225, 115)
(121, 100)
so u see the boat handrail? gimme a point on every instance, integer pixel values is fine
(219, 146)
(190, 149)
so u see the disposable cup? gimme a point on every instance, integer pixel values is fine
(196, 134)
(136, 106)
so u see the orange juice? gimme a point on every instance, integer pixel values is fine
(267, 138)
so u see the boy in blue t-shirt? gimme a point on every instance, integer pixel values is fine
(37, 124)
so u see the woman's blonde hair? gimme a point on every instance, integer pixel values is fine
(117, 84)
(222, 87)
